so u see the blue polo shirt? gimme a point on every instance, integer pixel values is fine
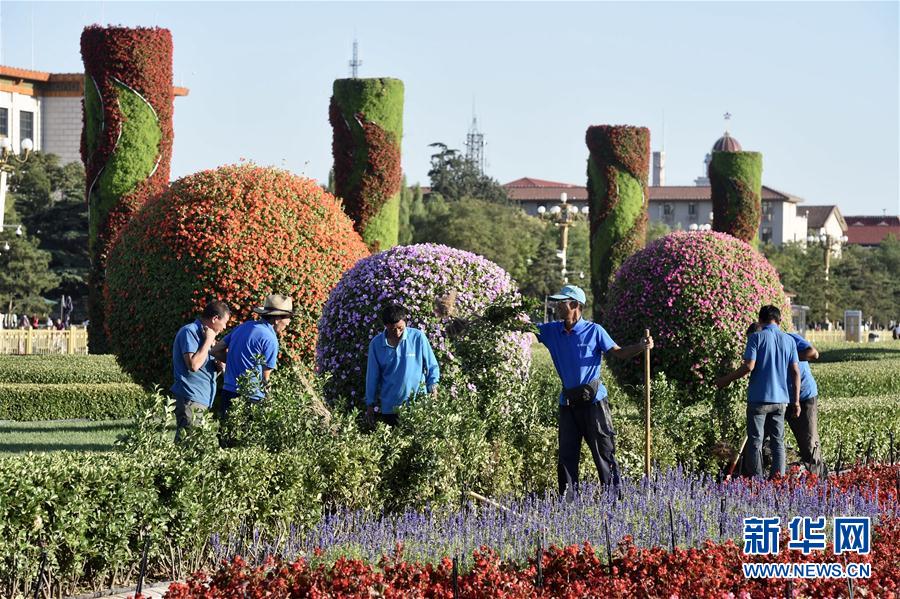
(394, 374)
(197, 386)
(251, 339)
(774, 351)
(808, 386)
(576, 354)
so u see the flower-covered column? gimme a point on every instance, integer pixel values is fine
(735, 179)
(617, 172)
(367, 118)
(126, 142)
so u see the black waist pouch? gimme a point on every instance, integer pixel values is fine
(582, 394)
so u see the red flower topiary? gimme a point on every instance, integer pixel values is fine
(236, 233)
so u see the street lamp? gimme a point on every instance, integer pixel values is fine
(563, 215)
(827, 242)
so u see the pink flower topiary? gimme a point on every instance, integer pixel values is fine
(697, 293)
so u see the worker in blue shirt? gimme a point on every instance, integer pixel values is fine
(805, 426)
(194, 369)
(399, 359)
(577, 347)
(253, 348)
(770, 358)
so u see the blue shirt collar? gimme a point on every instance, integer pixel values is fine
(579, 326)
(401, 340)
(770, 326)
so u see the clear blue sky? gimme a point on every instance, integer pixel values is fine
(813, 86)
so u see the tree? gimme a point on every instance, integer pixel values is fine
(24, 275)
(866, 279)
(410, 204)
(657, 230)
(455, 177)
(48, 199)
(501, 233)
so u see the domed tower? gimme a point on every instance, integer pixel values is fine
(726, 143)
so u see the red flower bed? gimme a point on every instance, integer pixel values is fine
(712, 571)
(581, 571)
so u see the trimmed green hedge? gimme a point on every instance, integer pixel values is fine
(855, 422)
(28, 401)
(90, 510)
(55, 369)
(858, 379)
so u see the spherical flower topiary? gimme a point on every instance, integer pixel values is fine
(417, 277)
(697, 293)
(236, 233)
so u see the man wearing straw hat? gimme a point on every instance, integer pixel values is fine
(242, 349)
(577, 347)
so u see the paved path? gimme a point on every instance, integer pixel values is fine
(153, 591)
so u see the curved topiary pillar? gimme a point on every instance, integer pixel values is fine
(126, 142)
(736, 182)
(617, 170)
(367, 118)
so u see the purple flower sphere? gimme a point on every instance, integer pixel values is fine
(697, 293)
(413, 276)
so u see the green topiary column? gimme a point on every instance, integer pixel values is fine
(736, 182)
(617, 171)
(126, 142)
(367, 118)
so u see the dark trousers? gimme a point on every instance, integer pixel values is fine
(388, 419)
(593, 423)
(184, 414)
(226, 399)
(764, 420)
(806, 430)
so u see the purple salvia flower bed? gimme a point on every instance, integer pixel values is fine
(641, 510)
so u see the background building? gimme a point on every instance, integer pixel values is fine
(784, 217)
(871, 230)
(45, 108)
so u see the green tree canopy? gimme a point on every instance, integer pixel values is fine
(455, 177)
(866, 279)
(48, 200)
(503, 234)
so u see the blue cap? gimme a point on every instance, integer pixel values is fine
(570, 292)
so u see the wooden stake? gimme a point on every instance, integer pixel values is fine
(737, 459)
(647, 406)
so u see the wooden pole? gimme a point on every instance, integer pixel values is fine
(647, 406)
(737, 459)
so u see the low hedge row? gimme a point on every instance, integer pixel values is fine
(853, 425)
(61, 369)
(92, 512)
(37, 401)
(857, 379)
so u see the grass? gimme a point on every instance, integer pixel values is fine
(60, 435)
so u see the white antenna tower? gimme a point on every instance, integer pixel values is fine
(355, 62)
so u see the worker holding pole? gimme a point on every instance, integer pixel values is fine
(577, 347)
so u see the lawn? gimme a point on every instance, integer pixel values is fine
(59, 435)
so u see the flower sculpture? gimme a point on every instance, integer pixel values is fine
(697, 293)
(421, 278)
(126, 142)
(235, 233)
